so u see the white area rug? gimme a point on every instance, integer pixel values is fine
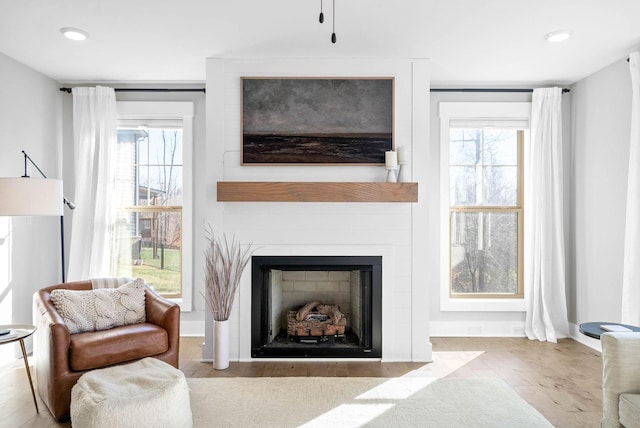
(333, 402)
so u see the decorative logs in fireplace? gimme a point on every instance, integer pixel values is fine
(362, 336)
(316, 319)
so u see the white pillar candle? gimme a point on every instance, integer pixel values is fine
(390, 159)
(402, 154)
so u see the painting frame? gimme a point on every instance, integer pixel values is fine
(316, 120)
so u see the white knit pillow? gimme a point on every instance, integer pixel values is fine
(101, 309)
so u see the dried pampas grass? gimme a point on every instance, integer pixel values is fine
(224, 263)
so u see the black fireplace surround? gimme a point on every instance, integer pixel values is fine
(367, 345)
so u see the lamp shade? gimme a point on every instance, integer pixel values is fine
(31, 196)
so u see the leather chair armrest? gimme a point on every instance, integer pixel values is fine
(620, 372)
(160, 311)
(52, 338)
(165, 314)
(51, 351)
(46, 309)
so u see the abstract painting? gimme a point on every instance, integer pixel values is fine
(316, 120)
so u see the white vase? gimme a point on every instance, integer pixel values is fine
(220, 344)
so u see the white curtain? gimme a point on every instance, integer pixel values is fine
(631, 271)
(94, 135)
(546, 318)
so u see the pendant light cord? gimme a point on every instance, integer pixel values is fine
(333, 35)
(321, 19)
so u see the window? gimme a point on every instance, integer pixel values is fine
(152, 236)
(485, 212)
(482, 185)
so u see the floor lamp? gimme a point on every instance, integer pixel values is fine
(26, 196)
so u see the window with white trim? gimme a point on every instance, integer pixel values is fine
(153, 191)
(482, 147)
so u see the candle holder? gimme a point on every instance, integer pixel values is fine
(403, 172)
(392, 174)
(403, 161)
(391, 163)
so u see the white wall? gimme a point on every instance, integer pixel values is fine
(30, 112)
(601, 119)
(391, 230)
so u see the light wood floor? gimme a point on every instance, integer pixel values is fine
(562, 381)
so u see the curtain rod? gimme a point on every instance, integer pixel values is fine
(68, 90)
(510, 90)
(564, 90)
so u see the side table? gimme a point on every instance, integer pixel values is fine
(22, 331)
(592, 329)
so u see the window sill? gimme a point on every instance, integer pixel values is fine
(482, 305)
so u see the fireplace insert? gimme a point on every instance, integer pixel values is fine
(316, 307)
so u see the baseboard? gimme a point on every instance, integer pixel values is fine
(500, 329)
(476, 329)
(592, 343)
(427, 357)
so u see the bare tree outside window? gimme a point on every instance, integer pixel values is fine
(485, 212)
(150, 219)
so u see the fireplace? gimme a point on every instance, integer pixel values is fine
(316, 307)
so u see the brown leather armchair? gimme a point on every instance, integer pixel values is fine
(61, 358)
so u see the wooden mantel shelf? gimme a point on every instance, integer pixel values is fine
(278, 191)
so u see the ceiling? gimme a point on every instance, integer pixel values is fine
(469, 42)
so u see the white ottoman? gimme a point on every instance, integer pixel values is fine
(147, 393)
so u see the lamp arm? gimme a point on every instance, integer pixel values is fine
(26, 157)
(66, 201)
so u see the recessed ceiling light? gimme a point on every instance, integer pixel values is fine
(558, 36)
(74, 33)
